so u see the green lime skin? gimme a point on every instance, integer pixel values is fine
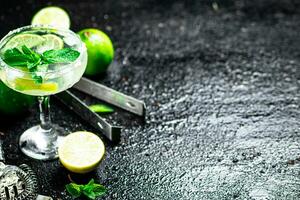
(100, 51)
(13, 103)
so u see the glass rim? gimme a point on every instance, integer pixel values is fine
(66, 67)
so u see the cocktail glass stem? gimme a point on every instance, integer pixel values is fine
(41, 141)
(44, 106)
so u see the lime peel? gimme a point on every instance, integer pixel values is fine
(101, 108)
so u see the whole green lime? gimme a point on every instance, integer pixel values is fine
(100, 51)
(12, 103)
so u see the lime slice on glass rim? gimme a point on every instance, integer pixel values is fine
(53, 41)
(50, 42)
(53, 16)
(42, 43)
(84, 156)
(30, 40)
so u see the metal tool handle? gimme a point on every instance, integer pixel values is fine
(1, 151)
(42, 197)
(111, 96)
(81, 109)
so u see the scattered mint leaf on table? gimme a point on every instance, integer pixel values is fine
(74, 190)
(101, 108)
(91, 190)
(35, 62)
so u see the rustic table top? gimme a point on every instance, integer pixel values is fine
(221, 84)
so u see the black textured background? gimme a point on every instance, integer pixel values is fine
(221, 83)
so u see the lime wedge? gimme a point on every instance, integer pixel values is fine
(49, 87)
(84, 156)
(50, 42)
(30, 40)
(27, 84)
(53, 16)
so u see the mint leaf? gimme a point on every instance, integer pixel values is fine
(99, 190)
(65, 55)
(15, 58)
(90, 195)
(88, 187)
(91, 182)
(34, 62)
(26, 50)
(37, 79)
(101, 108)
(35, 57)
(74, 190)
(91, 190)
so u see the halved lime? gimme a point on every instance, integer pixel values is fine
(81, 152)
(54, 16)
(51, 42)
(30, 40)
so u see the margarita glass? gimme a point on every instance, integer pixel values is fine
(41, 141)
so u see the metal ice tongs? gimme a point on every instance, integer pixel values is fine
(18, 183)
(106, 94)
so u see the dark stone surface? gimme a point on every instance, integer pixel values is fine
(221, 82)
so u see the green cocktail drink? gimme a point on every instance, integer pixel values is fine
(41, 61)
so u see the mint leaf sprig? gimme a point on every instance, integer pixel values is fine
(35, 62)
(90, 190)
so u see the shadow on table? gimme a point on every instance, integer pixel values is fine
(9, 120)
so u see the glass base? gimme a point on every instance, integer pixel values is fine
(42, 144)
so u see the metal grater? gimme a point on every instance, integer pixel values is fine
(18, 183)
